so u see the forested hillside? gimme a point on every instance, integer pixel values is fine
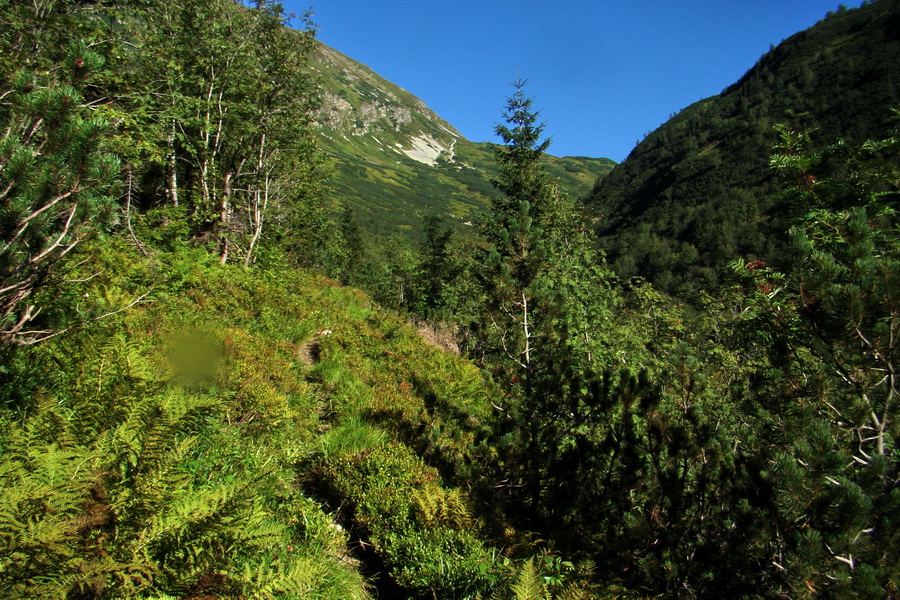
(698, 191)
(193, 404)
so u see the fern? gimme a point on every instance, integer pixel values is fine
(120, 485)
(434, 505)
(528, 584)
(547, 577)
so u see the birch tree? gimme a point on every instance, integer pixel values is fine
(228, 93)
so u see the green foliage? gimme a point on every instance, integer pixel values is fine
(167, 466)
(422, 529)
(520, 232)
(283, 369)
(846, 290)
(208, 430)
(753, 454)
(126, 485)
(546, 577)
(391, 273)
(541, 327)
(216, 106)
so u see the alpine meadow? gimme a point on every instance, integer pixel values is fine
(270, 328)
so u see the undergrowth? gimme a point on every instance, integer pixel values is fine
(180, 447)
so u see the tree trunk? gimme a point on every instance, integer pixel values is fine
(172, 165)
(225, 219)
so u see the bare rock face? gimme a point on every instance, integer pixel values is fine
(389, 113)
(339, 113)
(335, 109)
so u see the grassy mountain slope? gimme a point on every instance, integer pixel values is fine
(396, 161)
(698, 191)
(239, 434)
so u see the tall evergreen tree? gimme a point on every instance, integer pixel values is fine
(513, 328)
(518, 232)
(546, 299)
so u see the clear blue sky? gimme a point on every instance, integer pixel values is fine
(603, 73)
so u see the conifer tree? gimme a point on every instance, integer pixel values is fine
(546, 298)
(55, 181)
(512, 331)
(518, 233)
(839, 479)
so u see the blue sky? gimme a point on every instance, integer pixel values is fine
(602, 73)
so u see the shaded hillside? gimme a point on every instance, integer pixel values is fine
(396, 161)
(698, 191)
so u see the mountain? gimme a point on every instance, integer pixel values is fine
(396, 161)
(698, 191)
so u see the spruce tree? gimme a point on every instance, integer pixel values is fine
(546, 297)
(517, 231)
(513, 323)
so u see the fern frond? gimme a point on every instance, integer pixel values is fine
(528, 584)
(435, 505)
